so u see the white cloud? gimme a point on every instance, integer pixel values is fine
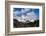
(25, 10)
(31, 16)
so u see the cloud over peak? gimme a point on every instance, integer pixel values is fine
(24, 15)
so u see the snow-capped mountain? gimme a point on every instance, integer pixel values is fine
(30, 17)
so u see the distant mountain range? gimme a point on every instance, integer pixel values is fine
(30, 17)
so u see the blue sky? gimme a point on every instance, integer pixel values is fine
(24, 11)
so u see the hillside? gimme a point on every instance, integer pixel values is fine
(30, 24)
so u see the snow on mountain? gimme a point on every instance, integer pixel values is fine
(29, 17)
(32, 15)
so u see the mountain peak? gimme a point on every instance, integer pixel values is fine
(29, 17)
